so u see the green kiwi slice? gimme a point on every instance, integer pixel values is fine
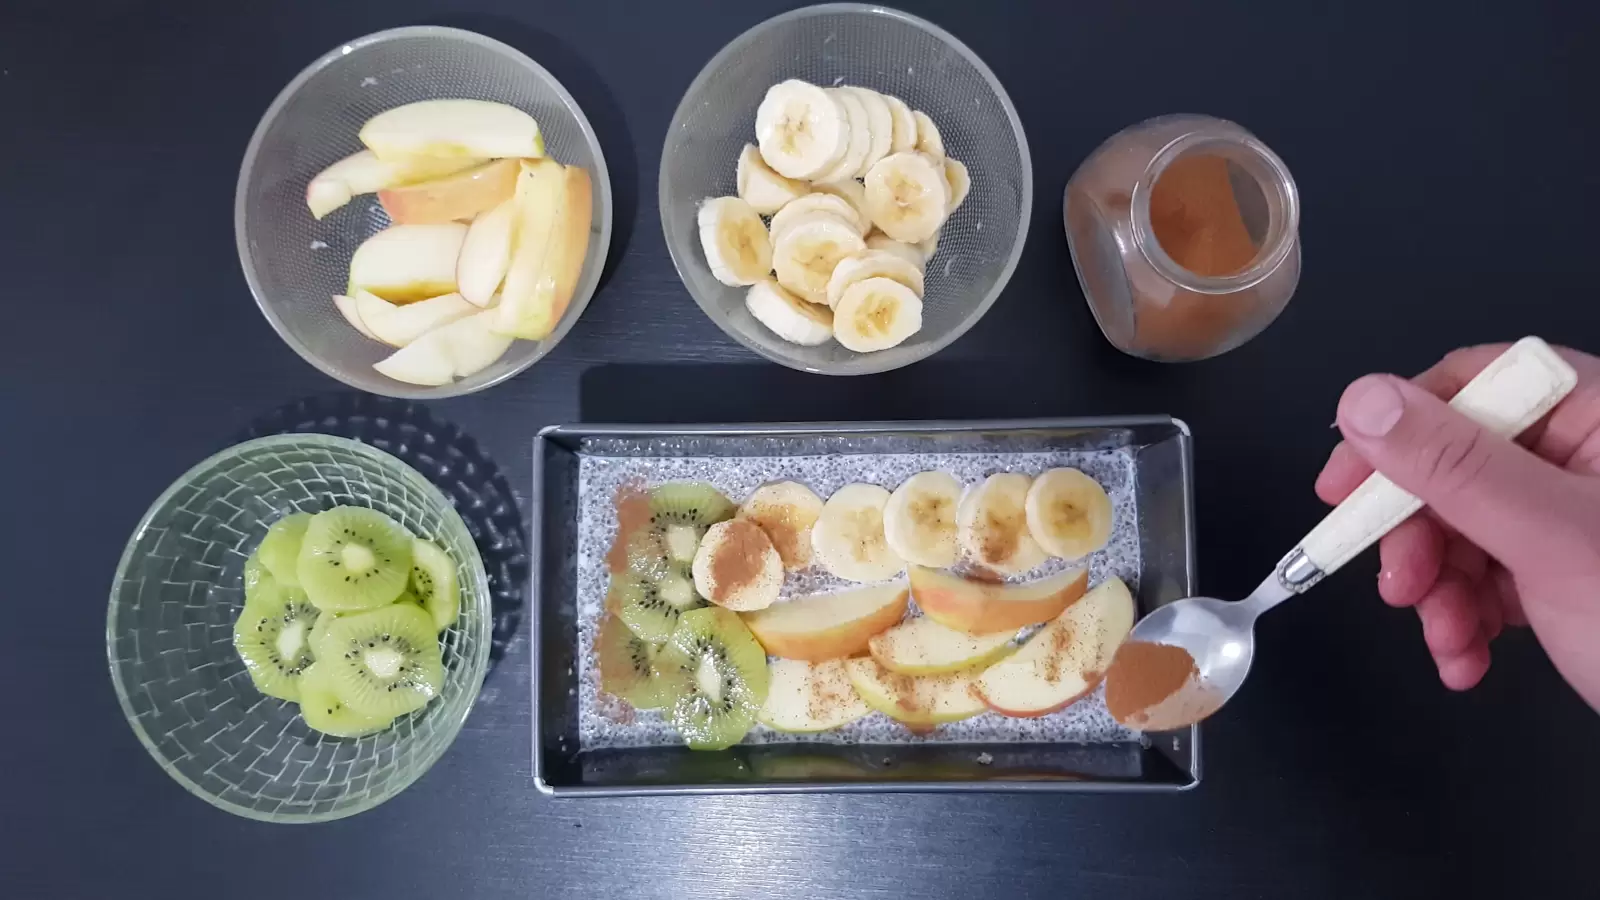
(321, 709)
(680, 513)
(353, 559)
(384, 662)
(273, 639)
(257, 579)
(713, 678)
(433, 580)
(319, 634)
(651, 609)
(280, 549)
(625, 664)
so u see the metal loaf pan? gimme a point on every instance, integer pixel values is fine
(1164, 494)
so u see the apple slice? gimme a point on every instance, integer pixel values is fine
(920, 701)
(981, 607)
(554, 204)
(471, 343)
(347, 308)
(406, 263)
(804, 696)
(828, 626)
(485, 254)
(454, 129)
(363, 173)
(398, 326)
(459, 196)
(924, 647)
(1065, 660)
(423, 361)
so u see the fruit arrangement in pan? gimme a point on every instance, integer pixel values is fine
(696, 624)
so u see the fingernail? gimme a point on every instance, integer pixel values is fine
(1371, 407)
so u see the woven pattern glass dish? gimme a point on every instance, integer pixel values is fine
(295, 264)
(169, 633)
(891, 52)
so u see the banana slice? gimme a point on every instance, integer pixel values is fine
(880, 125)
(786, 511)
(992, 525)
(960, 183)
(908, 196)
(919, 521)
(876, 314)
(815, 203)
(851, 191)
(1068, 513)
(801, 129)
(789, 317)
(809, 248)
(735, 241)
(765, 190)
(736, 567)
(928, 138)
(848, 538)
(930, 246)
(911, 253)
(905, 126)
(860, 144)
(872, 264)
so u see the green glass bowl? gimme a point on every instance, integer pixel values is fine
(169, 633)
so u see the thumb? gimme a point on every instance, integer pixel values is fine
(1517, 507)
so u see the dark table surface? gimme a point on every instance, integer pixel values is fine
(1448, 193)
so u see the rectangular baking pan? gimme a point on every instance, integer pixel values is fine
(1168, 761)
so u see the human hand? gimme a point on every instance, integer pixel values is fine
(1511, 531)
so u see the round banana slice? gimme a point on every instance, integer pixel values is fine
(735, 241)
(809, 248)
(789, 317)
(736, 567)
(860, 144)
(851, 191)
(765, 190)
(911, 253)
(814, 203)
(848, 540)
(992, 525)
(876, 314)
(1068, 513)
(930, 246)
(905, 126)
(880, 126)
(928, 138)
(955, 175)
(786, 511)
(872, 264)
(908, 196)
(919, 521)
(801, 129)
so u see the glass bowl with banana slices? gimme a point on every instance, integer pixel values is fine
(845, 189)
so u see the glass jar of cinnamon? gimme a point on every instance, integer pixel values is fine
(1185, 234)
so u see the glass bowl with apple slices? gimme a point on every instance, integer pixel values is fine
(423, 212)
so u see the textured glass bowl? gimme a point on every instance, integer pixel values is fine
(294, 264)
(169, 633)
(888, 51)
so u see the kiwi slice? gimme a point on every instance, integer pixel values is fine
(384, 662)
(680, 513)
(354, 558)
(280, 549)
(273, 638)
(321, 709)
(651, 609)
(625, 664)
(433, 580)
(319, 634)
(713, 678)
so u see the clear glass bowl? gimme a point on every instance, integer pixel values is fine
(169, 633)
(294, 264)
(888, 51)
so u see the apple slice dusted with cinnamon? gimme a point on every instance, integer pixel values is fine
(918, 701)
(1065, 660)
(981, 607)
(828, 626)
(924, 647)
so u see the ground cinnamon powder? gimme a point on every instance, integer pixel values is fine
(633, 513)
(1142, 676)
(741, 558)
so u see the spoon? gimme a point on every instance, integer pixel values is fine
(1515, 391)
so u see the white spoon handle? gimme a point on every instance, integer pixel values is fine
(1515, 391)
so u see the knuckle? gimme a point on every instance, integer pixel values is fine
(1452, 458)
